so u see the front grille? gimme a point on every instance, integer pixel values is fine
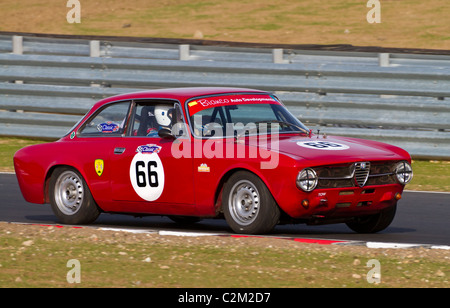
(361, 173)
(356, 174)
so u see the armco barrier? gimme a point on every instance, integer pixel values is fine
(47, 83)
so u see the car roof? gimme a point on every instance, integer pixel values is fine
(180, 94)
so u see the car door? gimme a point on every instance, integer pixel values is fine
(145, 170)
(94, 146)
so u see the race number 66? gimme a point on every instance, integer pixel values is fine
(147, 176)
(143, 174)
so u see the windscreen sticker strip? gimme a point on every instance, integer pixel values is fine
(217, 101)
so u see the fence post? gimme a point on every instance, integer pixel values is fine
(17, 49)
(277, 55)
(94, 52)
(94, 47)
(17, 45)
(383, 59)
(184, 51)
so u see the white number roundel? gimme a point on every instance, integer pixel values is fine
(323, 145)
(147, 176)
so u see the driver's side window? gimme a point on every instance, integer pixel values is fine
(151, 117)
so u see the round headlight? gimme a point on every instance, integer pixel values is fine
(404, 173)
(307, 179)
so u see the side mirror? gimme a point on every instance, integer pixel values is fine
(166, 134)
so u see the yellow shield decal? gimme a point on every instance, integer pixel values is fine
(99, 165)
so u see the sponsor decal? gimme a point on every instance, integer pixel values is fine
(148, 149)
(204, 168)
(99, 166)
(147, 172)
(323, 145)
(216, 101)
(212, 102)
(108, 127)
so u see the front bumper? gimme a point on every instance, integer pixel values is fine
(343, 202)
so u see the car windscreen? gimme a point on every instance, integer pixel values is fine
(230, 116)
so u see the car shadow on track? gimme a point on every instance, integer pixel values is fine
(219, 226)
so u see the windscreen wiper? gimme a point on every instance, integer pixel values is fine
(302, 130)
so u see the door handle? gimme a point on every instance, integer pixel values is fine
(119, 151)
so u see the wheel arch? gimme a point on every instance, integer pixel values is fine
(49, 174)
(224, 179)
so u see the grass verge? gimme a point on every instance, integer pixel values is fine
(408, 23)
(37, 256)
(8, 147)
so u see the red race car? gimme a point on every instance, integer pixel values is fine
(192, 153)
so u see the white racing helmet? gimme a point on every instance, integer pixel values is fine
(163, 115)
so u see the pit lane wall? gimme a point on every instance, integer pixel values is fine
(397, 96)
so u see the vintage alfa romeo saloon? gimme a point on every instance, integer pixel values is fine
(192, 153)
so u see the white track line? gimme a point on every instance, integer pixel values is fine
(375, 245)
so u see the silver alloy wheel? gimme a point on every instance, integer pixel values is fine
(244, 202)
(69, 192)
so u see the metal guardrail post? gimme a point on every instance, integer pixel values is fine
(184, 50)
(383, 59)
(17, 45)
(17, 49)
(277, 56)
(94, 49)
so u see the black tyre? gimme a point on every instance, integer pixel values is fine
(248, 205)
(70, 197)
(374, 223)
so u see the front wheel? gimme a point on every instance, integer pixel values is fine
(248, 205)
(374, 223)
(70, 197)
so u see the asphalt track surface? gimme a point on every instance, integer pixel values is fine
(422, 218)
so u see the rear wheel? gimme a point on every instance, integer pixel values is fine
(70, 197)
(248, 205)
(374, 223)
